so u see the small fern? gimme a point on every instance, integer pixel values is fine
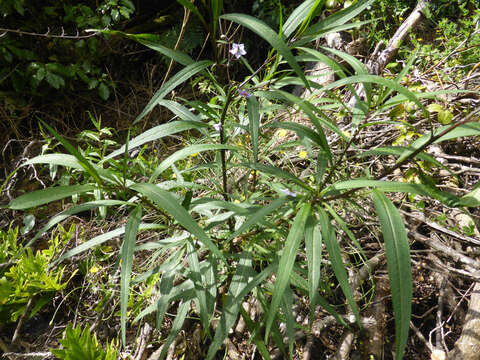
(80, 345)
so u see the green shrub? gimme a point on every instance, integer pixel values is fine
(26, 275)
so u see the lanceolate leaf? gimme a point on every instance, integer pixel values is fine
(335, 258)
(339, 18)
(199, 282)
(171, 84)
(285, 265)
(126, 256)
(313, 247)
(469, 129)
(258, 216)
(155, 133)
(81, 159)
(176, 326)
(100, 239)
(262, 30)
(233, 303)
(297, 17)
(187, 151)
(399, 267)
(45, 196)
(254, 118)
(397, 186)
(167, 202)
(55, 159)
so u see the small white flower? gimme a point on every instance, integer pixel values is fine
(288, 192)
(238, 50)
(217, 127)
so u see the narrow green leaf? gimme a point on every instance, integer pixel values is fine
(252, 327)
(357, 66)
(45, 196)
(285, 265)
(265, 32)
(300, 129)
(335, 258)
(339, 18)
(81, 159)
(399, 267)
(233, 302)
(287, 305)
(278, 173)
(167, 202)
(391, 84)
(155, 133)
(171, 84)
(176, 327)
(175, 55)
(297, 17)
(469, 129)
(100, 239)
(398, 151)
(55, 159)
(309, 109)
(429, 190)
(126, 257)
(472, 199)
(185, 152)
(199, 283)
(258, 216)
(254, 118)
(313, 247)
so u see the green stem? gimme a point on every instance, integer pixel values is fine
(222, 141)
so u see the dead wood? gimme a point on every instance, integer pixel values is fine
(467, 346)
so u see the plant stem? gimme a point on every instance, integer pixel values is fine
(222, 141)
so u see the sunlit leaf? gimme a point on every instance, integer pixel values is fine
(399, 268)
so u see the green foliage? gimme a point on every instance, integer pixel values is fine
(81, 345)
(233, 210)
(28, 277)
(34, 65)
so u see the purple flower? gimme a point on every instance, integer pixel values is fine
(288, 192)
(238, 50)
(217, 127)
(244, 93)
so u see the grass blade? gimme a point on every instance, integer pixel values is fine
(167, 202)
(335, 258)
(399, 267)
(126, 257)
(285, 265)
(265, 32)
